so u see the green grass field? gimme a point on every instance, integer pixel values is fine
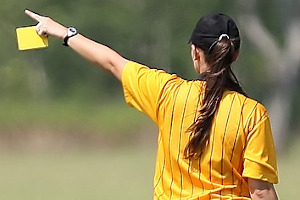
(124, 173)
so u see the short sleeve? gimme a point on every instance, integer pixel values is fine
(143, 86)
(260, 155)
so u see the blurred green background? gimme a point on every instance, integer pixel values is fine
(65, 130)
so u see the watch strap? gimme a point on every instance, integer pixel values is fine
(71, 32)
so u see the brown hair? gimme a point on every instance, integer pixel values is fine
(219, 78)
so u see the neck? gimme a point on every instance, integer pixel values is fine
(202, 68)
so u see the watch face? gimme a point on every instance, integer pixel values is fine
(72, 31)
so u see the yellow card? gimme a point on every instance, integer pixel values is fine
(29, 39)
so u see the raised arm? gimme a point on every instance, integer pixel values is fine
(92, 51)
(261, 190)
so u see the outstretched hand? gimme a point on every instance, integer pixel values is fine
(47, 27)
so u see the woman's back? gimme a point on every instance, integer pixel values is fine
(219, 171)
(240, 143)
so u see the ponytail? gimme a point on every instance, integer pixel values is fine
(218, 78)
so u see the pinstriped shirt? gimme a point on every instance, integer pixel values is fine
(240, 146)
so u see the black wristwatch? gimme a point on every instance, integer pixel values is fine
(71, 32)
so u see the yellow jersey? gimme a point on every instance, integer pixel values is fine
(240, 145)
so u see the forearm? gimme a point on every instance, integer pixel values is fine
(94, 52)
(98, 54)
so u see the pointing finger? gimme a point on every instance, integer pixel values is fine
(34, 16)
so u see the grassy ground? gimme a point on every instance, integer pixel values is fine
(289, 174)
(123, 173)
(65, 150)
(109, 174)
(49, 169)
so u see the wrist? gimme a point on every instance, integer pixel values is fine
(70, 32)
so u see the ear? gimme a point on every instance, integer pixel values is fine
(195, 52)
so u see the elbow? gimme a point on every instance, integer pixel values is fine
(259, 194)
(261, 190)
(116, 68)
(264, 195)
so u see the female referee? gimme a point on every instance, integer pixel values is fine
(214, 142)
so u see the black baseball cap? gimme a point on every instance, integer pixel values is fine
(210, 27)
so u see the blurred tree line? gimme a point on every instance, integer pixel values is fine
(154, 33)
